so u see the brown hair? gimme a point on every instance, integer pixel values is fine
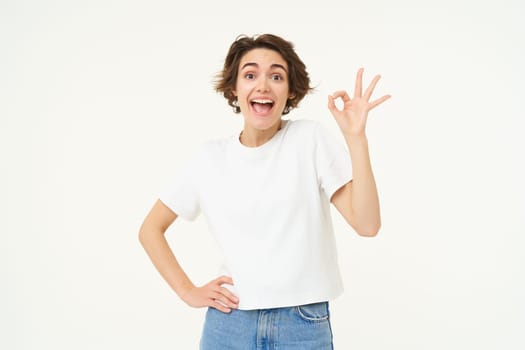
(298, 80)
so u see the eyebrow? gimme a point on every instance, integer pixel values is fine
(274, 65)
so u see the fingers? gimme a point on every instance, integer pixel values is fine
(371, 87)
(342, 94)
(217, 305)
(223, 301)
(379, 101)
(213, 294)
(358, 93)
(221, 298)
(225, 297)
(331, 104)
(228, 294)
(223, 280)
(358, 90)
(336, 112)
(338, 94)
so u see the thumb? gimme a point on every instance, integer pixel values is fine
(331, 104)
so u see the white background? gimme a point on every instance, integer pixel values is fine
(101, 102)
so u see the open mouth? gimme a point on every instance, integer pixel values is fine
(262, 106)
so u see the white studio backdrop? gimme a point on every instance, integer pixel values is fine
(102, 102)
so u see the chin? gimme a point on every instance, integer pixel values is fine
(264, 123)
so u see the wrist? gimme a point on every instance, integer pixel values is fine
(355, 139)
(184, 289)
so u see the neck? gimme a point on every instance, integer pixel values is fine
(253, 138)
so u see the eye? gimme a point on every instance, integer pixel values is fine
(249, 76)
(277, 77)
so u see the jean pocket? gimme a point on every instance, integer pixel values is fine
(317, 312)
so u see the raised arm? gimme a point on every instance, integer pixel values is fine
(152, 237)
(358, 200)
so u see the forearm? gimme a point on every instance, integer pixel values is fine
(364, 198)
(158, 250)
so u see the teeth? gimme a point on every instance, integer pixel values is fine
(262, 101)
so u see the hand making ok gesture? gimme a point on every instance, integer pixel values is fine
(352, 118)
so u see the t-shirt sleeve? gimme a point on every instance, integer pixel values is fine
(182, 195)
(334, 167)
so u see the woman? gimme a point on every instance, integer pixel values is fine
(266, 195)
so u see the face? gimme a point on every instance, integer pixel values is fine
(262, 88)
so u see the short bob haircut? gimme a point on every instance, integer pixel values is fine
(298, 79)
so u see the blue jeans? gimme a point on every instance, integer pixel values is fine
(305, 327)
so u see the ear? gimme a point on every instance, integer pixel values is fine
(291, 96)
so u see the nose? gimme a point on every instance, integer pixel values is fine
(263, 85)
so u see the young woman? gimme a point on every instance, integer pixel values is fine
(266, 195)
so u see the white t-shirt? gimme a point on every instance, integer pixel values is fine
(269, 209)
